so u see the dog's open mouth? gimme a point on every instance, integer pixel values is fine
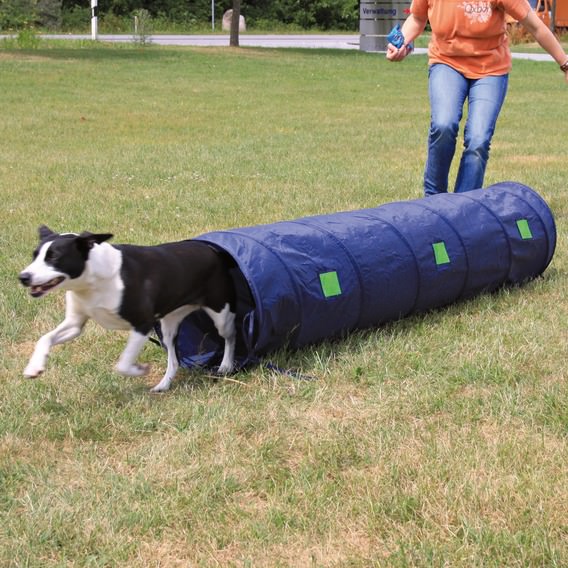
(40, 290)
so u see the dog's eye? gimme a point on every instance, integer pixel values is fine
(49, 255)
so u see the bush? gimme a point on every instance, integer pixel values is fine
(77, 18)
(113, 23)
(22, 14)
(321, 14)
(142, 27)
(14, 14)
(48, 14)
(194, 14)
(27, 39)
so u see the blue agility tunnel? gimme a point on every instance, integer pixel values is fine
(303, 281)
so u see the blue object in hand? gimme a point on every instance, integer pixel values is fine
(396, 38)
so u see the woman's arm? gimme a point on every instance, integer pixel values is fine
(411, 29)
(545, 38)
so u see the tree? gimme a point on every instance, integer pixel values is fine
(235, 20)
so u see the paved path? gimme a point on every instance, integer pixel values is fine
(313, 41)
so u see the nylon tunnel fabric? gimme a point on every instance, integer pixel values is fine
(303, 281)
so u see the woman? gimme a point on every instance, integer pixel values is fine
(469, 58)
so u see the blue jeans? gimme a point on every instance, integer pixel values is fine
(448, 89)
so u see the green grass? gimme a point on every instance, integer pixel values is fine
(439, 440)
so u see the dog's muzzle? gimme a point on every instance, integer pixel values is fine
(25, 279)
(38, 290)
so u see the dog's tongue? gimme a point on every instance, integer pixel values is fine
(38, 291)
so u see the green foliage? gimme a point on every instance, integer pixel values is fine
(15, 14)
(116, 15)
(27, 39)
(306, 14)
(299, 14)
(18, 14)
(76, 18)
(48, 14)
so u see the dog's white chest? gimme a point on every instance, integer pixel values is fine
(101, 306)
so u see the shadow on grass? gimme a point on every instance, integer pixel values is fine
(95, 50)
(90, 52)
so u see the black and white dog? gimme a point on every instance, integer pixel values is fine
(130, 287)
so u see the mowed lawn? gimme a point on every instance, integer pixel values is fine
(438, 440)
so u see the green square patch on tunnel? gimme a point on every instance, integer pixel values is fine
(440, 253)
(524, 229)
(330, 284)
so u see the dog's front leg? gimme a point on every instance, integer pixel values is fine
(127, 364)
(67, 330)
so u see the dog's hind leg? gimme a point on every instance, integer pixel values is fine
(67, 330)
(225, 323)
(127, 364)
(169, 325)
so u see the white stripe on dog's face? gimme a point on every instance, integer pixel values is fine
(40, 269)
(42, 275)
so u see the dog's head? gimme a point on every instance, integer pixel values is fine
(58, 259)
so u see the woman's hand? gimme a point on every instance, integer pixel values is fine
(397, 54)
(411, 29)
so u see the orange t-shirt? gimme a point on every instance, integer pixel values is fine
(470, 35)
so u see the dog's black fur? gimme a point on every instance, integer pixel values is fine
(160, 279)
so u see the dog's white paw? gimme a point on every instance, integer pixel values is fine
(225, 368)
(160, 388)
(136, 370)
(32, 371)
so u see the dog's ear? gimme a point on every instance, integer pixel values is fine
(45, 233)
(86, 241)
(96, 239)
